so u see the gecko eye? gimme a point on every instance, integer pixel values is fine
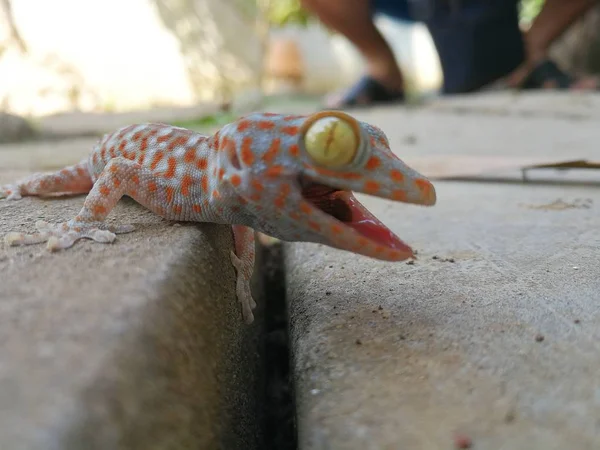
(333, 139)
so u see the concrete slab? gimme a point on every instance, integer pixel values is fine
(134, 345)
(492, 333)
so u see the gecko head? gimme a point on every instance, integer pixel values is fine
(341, 155)
(311, 189)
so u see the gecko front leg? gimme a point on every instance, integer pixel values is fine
(120, 177)
(243, 261)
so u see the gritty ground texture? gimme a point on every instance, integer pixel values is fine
(493, 332)
(134, 345)
(491, 336)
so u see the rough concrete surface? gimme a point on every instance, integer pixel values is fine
(401, 356)
(134, 345)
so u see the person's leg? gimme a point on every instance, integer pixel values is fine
(478, 42)
(354, 19)
(553, 20)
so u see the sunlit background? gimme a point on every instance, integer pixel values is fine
(115, 55)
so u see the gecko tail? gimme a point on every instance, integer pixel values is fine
(74, 179)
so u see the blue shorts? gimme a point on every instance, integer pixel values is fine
(478, 41)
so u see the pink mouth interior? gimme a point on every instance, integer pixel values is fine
(343, 206)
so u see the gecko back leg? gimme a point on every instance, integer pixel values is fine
(74, 179)
(120, 177)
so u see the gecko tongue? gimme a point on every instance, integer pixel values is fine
(370, 227)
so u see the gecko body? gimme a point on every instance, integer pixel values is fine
(288, 176)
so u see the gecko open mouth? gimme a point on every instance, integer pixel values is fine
(346, 209)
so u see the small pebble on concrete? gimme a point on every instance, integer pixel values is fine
(462, 441)
(539, 338)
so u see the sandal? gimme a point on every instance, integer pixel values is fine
(547, 75)
(368, 92)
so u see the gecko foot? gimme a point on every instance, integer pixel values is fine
(64, 235)
(10, 192)
(243, 289)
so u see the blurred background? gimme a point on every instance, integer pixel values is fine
(62, 56)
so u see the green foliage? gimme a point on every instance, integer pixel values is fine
(287, 12)
(529, 9)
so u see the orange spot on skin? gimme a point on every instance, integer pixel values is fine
(394, 254)
(399, 195)
(294, 215)
(294, 150)
(423, 185)
(343, 175)
(274, 171)
(290, 131)
(257, 185)
(186, 183)
(216, 140)
(104, 190)
(117, 182)
(113, 168)
(372, 141)
(111, 152)
(135, 179)
(255, 197)
(271, 153)
(162, 139)
(362, 242)
(169, 191)
(379, 249)
(81, 172)
(373, 163)
(144, 144)
(190, 155)
(158, 156)
(202, 164)
(177, 209)
(171, 166)
(178, 141)
(197, 208)
(95, 158)
(204, 183)
(98, 210)
(103, 154)
(314, 225)
(236, 180)
(305, 208)
(266, 125)
(141, 159)
(396, 176)
(122, 146)
(291, 117)
(246, 154)
(152, 186)
(137, 136)
(336, 229)
(371, 186)
(284, 191)
(243, 125)
(221, 173)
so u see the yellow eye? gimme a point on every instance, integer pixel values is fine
(332, 140)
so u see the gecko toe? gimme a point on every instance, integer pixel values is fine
(10, 192)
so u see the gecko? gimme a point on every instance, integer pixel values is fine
(288, 176)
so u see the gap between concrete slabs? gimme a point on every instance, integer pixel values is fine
(134, 345)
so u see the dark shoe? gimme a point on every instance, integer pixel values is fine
(368, 92)
(547, 75)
